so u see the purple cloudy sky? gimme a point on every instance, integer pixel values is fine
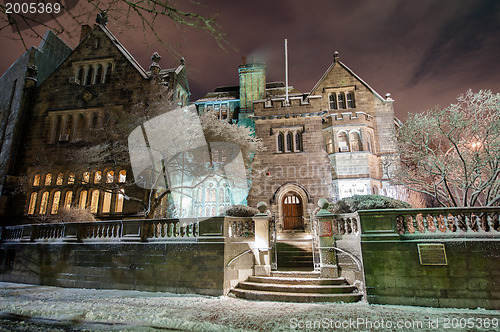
(425, 53)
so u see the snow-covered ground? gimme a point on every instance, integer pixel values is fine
(42, 308)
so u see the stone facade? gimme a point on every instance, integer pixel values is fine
(91, 91)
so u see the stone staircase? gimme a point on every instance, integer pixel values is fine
(297, 286)
(295, 255)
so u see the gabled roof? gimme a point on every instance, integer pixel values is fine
(350, 72)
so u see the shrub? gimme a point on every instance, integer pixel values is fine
(368, 202)
(240, 211)
(71, 214)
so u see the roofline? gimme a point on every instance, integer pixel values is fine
(353, 74)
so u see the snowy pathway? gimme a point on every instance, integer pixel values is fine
(41, 308)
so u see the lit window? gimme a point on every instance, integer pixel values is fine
(48, 179)
(83, 199)
(86, 177)
(71, 178)
(67, 199)
(36, 180)
(94, 201)
(122, 177)
(31, 207)
(44, 203)
(119, 201)
(110, 176)
(55, 202)
(106, 203)
(60, 179)
(97, 177)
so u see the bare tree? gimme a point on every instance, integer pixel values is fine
(62, 17)
(453, 154)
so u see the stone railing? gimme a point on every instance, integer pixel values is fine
(345, 224)
(119, 230)
(241, 229)
(453, 222)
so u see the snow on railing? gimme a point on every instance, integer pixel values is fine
(119, 230)
(448, 221)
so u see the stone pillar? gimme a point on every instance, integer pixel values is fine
(326, 241)
(261, 252)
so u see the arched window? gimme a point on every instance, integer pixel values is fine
(86, 177)
(369, 144)
(44, 203)
(106, 202)
(32, 204)
(355, 141)
(55, 202)
(79, 74)
(119, 201)
(350, 99)
(343, 142)
(97, 177)
(60, 179)
(98, 75)
(289, 141)
(110, 175)
(89, 73)
(107, 73)
(341, 100)
(375, 190)
(79, 127)
(333, 101)
(82, 202)
(69, 129)
(298, 141)
(122, 176)
(55, 130)
(48, 179)
(93, 120)
(281, 142)
(329, 145)
(36, 180)
(67, 199)
(71, 178)
(94, 201)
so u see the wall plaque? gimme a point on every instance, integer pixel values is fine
(432, 254)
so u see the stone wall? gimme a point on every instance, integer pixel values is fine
(395, 275)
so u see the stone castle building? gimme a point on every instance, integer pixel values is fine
(86, 94)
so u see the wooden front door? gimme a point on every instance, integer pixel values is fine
(292, 212)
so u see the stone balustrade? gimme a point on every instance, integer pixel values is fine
(243, 229)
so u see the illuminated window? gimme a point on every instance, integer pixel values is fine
(60, 179)
(44, 203)
(55, 202)
(97, 177)
(31, 207)
(86, 177)
(94, 201)
(119, 201)
(106, 203)
(110, 176)
(48, 179)
(67, 199)
(36, 180)
(71, 178)
(122, 177)
(83, 199)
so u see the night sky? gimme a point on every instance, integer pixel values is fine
(425, 53)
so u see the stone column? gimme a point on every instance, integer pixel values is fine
(326, 241)
(261, 252)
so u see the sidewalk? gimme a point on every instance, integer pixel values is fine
(43, 308)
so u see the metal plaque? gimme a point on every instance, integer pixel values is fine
(432, 254)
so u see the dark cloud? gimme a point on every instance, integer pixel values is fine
(425, 52)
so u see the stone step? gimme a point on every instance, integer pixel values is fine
(296, 274)
(297, 288)
(298, 280)
(295, 297)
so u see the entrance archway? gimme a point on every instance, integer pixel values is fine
(292, 211)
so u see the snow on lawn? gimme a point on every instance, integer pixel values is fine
(126, 310)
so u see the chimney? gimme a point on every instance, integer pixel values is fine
(85, 31)
(244, 59)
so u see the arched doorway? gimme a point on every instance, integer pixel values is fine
(292, 211)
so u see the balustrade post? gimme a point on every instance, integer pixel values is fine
(326, 239)
(262, 241)
(71, 232)
(133, 230)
